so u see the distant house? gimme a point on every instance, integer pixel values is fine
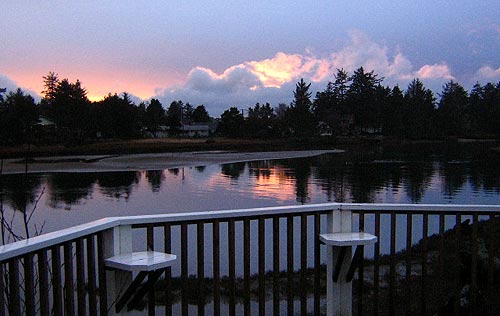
(195, 130)
(45, 122)
(186, 130)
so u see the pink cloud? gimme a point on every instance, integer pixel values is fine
(487, 72)
(436, 71)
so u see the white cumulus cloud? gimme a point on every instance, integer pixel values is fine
(488, 73)
(273, 79)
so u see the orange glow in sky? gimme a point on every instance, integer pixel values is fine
(98, 83)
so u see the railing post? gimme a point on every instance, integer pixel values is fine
(117, 240)
(339, 294)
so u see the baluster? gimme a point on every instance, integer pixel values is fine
(150, 247)
(80, 278)
(392, 270)
(232, 264)
(200, 238)
(29, 288)
(376, 271)
(69, 294)
(184, 268)
(14, 286)
(289, 257)
(57, 298)
(262, 266)
(425, 231)
(91, 269)
(246, 265)
(303, 263)
(103, 289)
(409, 235)
(167, 233)
(276, 265)
(317, 263)
(216, 266)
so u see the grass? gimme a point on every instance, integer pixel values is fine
(160, 145)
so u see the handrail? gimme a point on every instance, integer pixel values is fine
(33, 244)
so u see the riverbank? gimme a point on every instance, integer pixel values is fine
(168, 145)
(135, 162)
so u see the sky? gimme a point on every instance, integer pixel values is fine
(237, 53)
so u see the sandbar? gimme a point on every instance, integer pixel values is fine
(137, 162)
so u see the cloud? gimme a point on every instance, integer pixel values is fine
(273, 79)
(487, 73)
(436, 71)
(11, 86)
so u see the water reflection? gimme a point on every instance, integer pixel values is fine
(20, 191)
(387, 175)
(69, 188)
(155, 178)
(233, 170)
(117, 184)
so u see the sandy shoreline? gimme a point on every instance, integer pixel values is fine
(135, 162)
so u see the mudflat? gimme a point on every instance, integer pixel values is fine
(151, 161)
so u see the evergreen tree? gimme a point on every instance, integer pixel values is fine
(453, 110)
(200, 115)
(361, 98)
(231, 122)
(392, 116)
(155, 116)
(18, 115)
(260, 121)
(419, 111)
(300, 118)
(174, 116)
(50, 84)
(69, 108)
(330, 105)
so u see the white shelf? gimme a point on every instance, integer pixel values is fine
(141, 261)
(348, 239)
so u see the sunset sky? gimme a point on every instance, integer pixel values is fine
(225, 53)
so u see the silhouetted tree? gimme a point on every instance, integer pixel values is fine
(18, 114)
(200, 115)
(419, 111)
(392, 116)
(231, 122)
(117, 117)
(260, 121)
(69, 108)
(362, 99)
(484, 103)
(155, 116)
(299, 116)
(330, 105)
(50, 84)
(174, 116)
(452, 111)
(187, 113)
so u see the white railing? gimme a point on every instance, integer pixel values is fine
(85, 248)
(57, 237)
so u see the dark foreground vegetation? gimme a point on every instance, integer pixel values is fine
(453, 273)
(351, 105)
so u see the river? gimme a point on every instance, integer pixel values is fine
(420, 173)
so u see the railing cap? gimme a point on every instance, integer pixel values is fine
(58, 237)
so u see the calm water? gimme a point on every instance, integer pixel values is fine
(418, 174)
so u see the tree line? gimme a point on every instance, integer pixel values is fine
(351, 104)
(77, 119)
(358, 103)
